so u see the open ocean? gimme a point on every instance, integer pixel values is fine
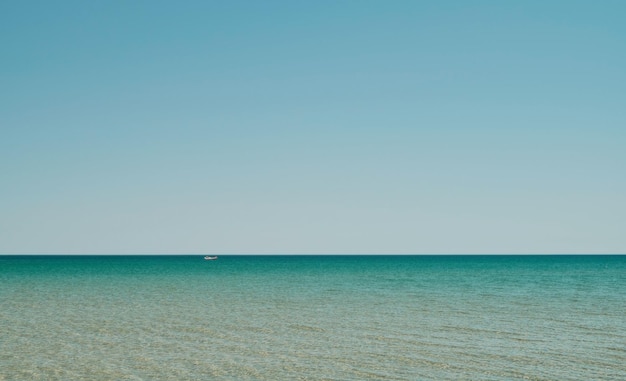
(313, 318)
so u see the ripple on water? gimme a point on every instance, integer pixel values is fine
(340, 319)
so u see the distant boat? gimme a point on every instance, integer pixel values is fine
(209, 258)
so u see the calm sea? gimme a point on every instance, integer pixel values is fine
(313, 318)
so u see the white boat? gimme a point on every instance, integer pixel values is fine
(209, 258)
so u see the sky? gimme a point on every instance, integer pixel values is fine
(319, 127)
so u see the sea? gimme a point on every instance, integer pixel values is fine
(253, 317)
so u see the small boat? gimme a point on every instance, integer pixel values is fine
(209, 258)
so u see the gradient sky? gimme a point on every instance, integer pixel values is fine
(312, 127)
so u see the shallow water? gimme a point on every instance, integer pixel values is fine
(313, 318)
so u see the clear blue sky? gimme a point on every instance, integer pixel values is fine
(312, 127)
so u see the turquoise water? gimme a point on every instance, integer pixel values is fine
(313, 318)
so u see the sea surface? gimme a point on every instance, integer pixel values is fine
(313, 318)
